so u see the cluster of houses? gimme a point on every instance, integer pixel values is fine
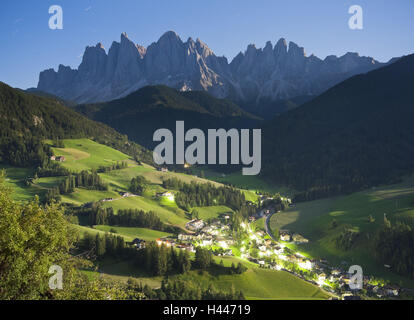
(195, 225)
(343, 279)
(138, 243)
(323, 274)
(204, 235)
(181, 242)
(165, 194)
(385, 291)
(210, 235)
(122, 194)
(286, 235)
(331, 279)
(127, 194)
(216, 236)
(58, 158)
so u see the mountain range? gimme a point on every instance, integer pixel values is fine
(255, 77)
(357, 134)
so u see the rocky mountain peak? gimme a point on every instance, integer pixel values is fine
(251, 48)
(169, 37)
(268, 46)
(295, 50)
(271, 73)
(281, 46)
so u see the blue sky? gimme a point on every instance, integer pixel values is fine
(28, 46)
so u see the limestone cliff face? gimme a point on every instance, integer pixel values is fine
(271, 73)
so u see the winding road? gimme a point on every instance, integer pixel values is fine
(267, 227)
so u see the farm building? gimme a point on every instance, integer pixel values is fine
(195, 225)
(139, 243)
(58, 158)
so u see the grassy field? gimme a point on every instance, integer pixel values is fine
(206, 213)
(132, 233)
(48, 182)
(123, 177)
(81, 230)
(168, 215)
(128, 233)
(15, 179)
(259, 283)
(122, 270)
(251, 183)
(314, 221)
(81, 196)
(85, 154)
(255, 283)
(259, 224)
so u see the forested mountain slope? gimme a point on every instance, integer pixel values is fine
(26, 120)
(358, 134)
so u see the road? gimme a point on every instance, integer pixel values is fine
(260, 213)
(267, 227)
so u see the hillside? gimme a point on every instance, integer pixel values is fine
(314, 220)
(84, 154)
(27, 119)
(268, 109)
(355, 135)
(141, 113)
(40, 93)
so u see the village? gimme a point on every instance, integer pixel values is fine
(264, 249)
(259, 248)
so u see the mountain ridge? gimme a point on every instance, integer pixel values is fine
(355, 135)
(28, 119)
(271, 73)
(150, 108)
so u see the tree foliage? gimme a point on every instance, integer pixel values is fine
(32, 239)
(394, 246)
(26, 120)
(204, 194)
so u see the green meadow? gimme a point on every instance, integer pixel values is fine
(128, 233)
(85, 154)
(131, 233)
(249, 183)
(172, 216)
(313, 220)
(81, 196)
(211, 212)
(256, 283)
(259, 224)
(16, 180)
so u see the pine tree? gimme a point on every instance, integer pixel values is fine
(100, 245)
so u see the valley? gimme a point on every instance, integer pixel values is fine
(188, 158)
(313, 220)
(168, 171)
(282, 285)
(321, 221)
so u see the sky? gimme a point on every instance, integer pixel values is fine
(29, 46)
